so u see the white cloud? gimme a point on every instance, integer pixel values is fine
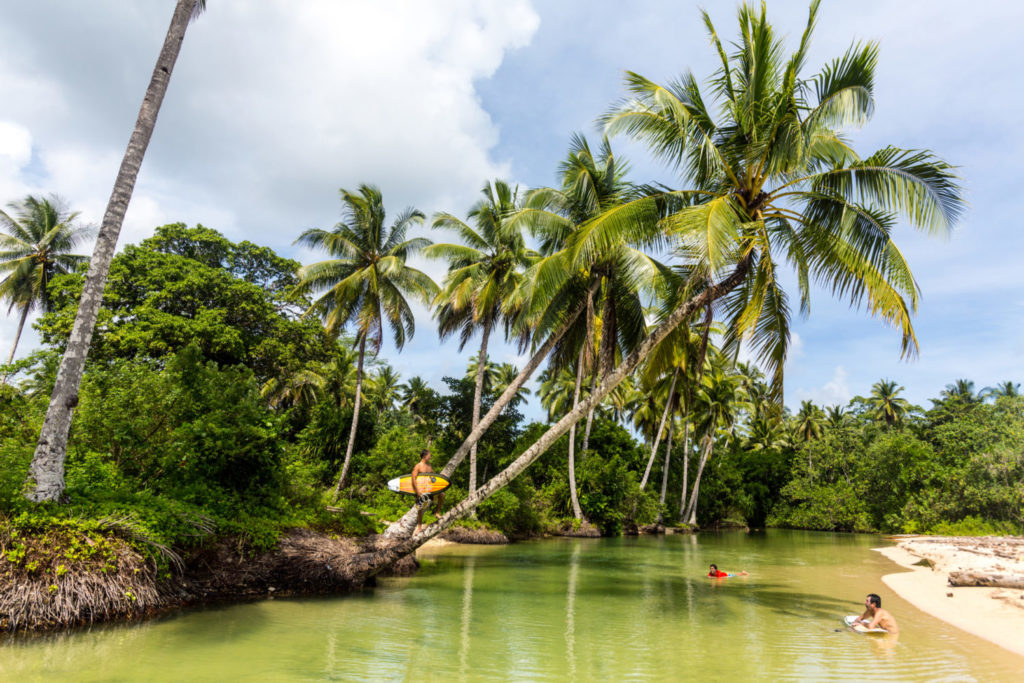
(836, 391)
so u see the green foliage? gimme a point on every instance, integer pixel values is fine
(191, 286)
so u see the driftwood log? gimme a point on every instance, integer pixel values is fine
(975, 578)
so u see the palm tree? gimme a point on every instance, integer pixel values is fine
(809, 421)
(961, 391)
(1006, 389)
(36, 241)
(366, 282)
(719, 398)
(503, 377)
(768, 177)
(885, 403)
(591, 184)
(482, 274)
(47, 470)
(836, 416)
(384, 389)
(415, 393)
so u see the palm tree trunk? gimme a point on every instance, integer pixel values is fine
(664, 474)
(403, 528)
(576, 511)
(605, 355)
(709, 445)
(661, 428)
(590, 416)
(686, 462)
(481, 367)
(17, 338)
(47, 471)
(355, 417)
(369, 563)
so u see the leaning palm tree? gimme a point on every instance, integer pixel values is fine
(482, 274)
(366, 283)
(768, 178)
(47, 470)
(37, 237)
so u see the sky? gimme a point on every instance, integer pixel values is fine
(274, 106)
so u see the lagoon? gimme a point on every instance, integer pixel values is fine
(631, 608)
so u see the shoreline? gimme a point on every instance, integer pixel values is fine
(994, 614)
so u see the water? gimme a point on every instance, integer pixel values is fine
(609, 609)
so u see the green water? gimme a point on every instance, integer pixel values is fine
(554, 610)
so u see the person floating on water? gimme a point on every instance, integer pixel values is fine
(876, 617)
(423, 499)
(713, 573)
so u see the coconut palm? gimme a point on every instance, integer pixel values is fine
(961, 391)
(47, 470)
(366, 283)
(767, 178)
(482, 275)
(503, 377)
(886, 405)
(384, 389)
(809, 421)
(591, 184)
(37, 237)
(1006, 389)
(719, 398)
(836, 416)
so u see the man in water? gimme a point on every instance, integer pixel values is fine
(713, 573)
(876, 617)
(423, 499)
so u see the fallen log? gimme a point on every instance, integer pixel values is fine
(974, 578)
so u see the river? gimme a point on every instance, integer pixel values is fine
(553, 610)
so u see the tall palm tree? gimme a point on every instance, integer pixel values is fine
(720, 396)
(47, 470)
(591, 184)
(809, 421)
(37, 237)
(886, 404)
(962, 391)
(768, 177)
(482, 275)
(366, 283)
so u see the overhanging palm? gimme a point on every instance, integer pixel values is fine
(772, 181)
(367, 281)
(36, 240)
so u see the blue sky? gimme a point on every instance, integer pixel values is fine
(274, 106)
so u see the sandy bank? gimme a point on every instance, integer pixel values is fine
(995, 614)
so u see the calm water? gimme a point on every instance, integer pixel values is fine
(609, 609)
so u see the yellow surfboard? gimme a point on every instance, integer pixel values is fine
(431, 482)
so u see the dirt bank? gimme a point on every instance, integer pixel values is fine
(996, 614)
(52, 582)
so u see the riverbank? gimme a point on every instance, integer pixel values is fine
(53, 581)
(993, 613)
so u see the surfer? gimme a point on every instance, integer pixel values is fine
(423, 499)
(713, 573)
(876, 617)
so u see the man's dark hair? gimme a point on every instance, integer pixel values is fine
(715, 566)
(425, 451)
(875, 600)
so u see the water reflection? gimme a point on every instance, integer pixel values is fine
(467, 615)
(570, 610)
